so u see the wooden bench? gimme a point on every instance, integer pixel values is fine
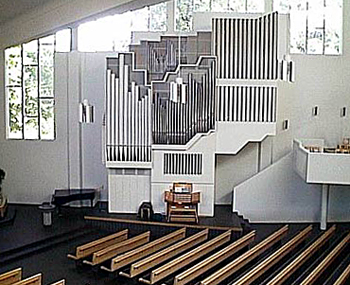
(245, 258)
(186, 259)
(11, 277)
(274, 258)
(315, 274)
(213, 260)
(61, 282)
(282, 276)
(33, 280)
(343, 278)
(147, 249)
(113, 250)
(96, 245)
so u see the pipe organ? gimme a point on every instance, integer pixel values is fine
(128, 112)
(167, 101)
(247, 48)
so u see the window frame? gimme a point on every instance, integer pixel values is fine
(324, 30)
(40, 96)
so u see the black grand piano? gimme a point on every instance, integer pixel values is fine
(63, 196)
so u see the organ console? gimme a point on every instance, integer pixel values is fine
(182, 204)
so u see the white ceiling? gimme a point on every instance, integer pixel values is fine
(10, 9)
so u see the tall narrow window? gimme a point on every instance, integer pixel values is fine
(315, 25)
(102, 34)
(186, 8)
(30, 87)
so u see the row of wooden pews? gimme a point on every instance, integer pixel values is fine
(14, 277)
(177, 259)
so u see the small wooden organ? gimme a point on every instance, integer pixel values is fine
(182, 203)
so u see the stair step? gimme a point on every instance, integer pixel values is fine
(42, 245)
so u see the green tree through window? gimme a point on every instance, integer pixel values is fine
(29, 87)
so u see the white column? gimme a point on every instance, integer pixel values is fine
(324, 207)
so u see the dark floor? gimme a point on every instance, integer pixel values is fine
(223, 217)
(53, 263)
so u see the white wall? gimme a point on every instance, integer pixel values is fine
(277, 194)
(57, 14)
(232, 170)
(33, 168)
(322, 81)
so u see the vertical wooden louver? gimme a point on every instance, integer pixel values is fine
(183, 163)
(246, 48)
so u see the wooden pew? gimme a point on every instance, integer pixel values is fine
(213, 260)
(113, 250)
(182, 260)
(33, 280)
(245, 258)
(313, 276)
(274, 258)
(11, 277)
(61, 282)
(147, 249)
(96, 245)
(343, 278)
(282, 276)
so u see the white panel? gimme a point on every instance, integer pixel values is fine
(286, 198)
(127, 192)
(231, 137)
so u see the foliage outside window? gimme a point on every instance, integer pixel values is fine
(186, 8)
(114, 33)
(315, 25)
(29, 87)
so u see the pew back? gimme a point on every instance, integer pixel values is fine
(147, 249)
(11, 277)
(313, 276)
(189, 257)
(170, 252)
(282, 276)
(270, 261)
(344, 277)
(213, 260)
(33, 280)
(61, 282)
(113, 250)
(245, 258)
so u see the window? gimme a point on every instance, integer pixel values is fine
(186, 8)
(29, 87)
(105, 35)
(315, 25)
